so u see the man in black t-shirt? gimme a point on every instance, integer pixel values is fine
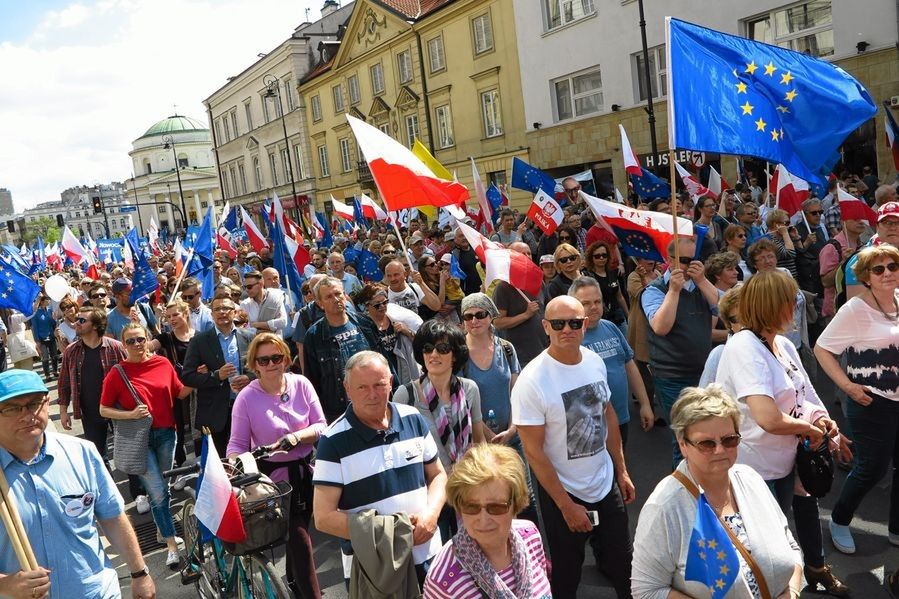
(468, 261)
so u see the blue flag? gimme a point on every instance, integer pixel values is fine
(367, 266)
(15, 258)
(204, 246)
(495, 197)
(230, 222)
(17, 291)
(143, 282)
(528, 178)
(712, 558)
(456, 270)
(327, 239)
(38, 257)
(358, 216)
(648, 185)
(284, 263)
(350, 254)
(733, 95)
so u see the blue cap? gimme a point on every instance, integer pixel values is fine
(14, 383)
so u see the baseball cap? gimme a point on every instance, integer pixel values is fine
(888, 209)
(447, 257)
(416, 237)
(547, 259)
(15, 382)
(121, 285)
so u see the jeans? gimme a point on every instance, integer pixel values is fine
(96, 429)
(805, 516)
(876, 428)
(49, 356)
(667, 392)
(159, 458)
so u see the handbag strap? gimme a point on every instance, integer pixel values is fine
(131, 388)
(747, 557)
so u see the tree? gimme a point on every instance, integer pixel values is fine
(45, 227)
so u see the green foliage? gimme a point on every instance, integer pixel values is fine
(45, 227)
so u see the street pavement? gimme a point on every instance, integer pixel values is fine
(648, 460)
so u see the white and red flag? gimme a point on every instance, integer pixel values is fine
(370, 209)
(852, 208)
(694, 187)
(403, 180)
(216, 507)
(546, 212)
(717, 183)
(256, 239)
(342, 210)
(504, 264)
(631, 164)
(789, 190)
(73, 248)
(480, 192)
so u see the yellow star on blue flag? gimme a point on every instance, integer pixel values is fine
(712, 559)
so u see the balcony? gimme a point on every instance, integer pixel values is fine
(364, 172)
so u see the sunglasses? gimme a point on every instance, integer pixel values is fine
(567, 259)
(564, 238)
(685, 260)
(815, 212)
(442, 348)
(250, 285)
(575, 190)
(480, 315)
(189, 296)
(709, 445)
(741, 236)
(378, 305)
(882, 268)
(136, 341)
(98, 295)
(600, 256)
(223, 308)
(574, 324)
(272, 359)
(494, 509)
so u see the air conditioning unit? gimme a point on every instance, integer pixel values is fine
(894, 102)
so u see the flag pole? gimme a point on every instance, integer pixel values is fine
(672, 174)
(15, 527)
(190, 256)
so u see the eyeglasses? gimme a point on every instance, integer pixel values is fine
(741, 235)
(98, 295)
(575, 324)
(494, 509)
(80, 320)
(480, 315)
(567, 259)
(600, 256)
(189, 296)
(249, 286)
(685, 260)
(387, 252)
(574, 190)
(273, 359)
(379, 305)
(709, 445)
(882, 268)
(815, 212)
(223, 308)
(31, 407)
(564, 238)
(235, 294)
(442, 348)
(136, 341)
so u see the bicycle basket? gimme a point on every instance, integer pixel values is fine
(265, 508)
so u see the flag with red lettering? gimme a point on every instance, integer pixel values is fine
(546, 212)
(694, 187)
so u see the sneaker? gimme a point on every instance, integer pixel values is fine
(841, 537)
(825, 577)
(142, 504)
(173, 560)
(178, 540)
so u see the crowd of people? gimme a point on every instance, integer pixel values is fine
(481, 427)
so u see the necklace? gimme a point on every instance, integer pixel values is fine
(893, 318)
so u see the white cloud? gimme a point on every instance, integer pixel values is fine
(93, 76)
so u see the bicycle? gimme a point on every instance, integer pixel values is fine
(216, 572)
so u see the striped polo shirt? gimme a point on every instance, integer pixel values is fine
(380, 470)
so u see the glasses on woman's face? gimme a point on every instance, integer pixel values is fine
(564, 238)
(882, 268)
(98, 296)
(601, 256)
(494, 509)
(81, 320)
(709, 445)
(740, 235)
(378, 305)
(480, 315)
(271, 359)
(567, 259)
(135, 341)
(443, 348)
(430, 265)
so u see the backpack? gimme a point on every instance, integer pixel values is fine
(839, 279)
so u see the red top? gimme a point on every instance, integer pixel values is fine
(599, 233)
(156, 383)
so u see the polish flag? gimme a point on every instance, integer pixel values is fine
(153, 237)
(342, 210)
(370, 209)
(178, 250)
(852, 208)
(216, 507)
(504, 264)
(224, 243)
(694, 187)
(481, 194)
(256, 239)
(298, 253)
(631, 164)
(402, 178)
(73, 248)
(789, 190)
(546, 212)
(717, 183)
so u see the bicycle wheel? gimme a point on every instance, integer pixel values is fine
(209, 584)
(260, 580)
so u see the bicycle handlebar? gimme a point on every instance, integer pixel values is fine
(182, 470)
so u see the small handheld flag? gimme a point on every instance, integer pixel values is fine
(712, 559)
(546, 212)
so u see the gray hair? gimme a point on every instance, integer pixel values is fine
(364, 358)
(696, 404)
(583, 282)
(327, 281)
(810, 203)
(881, 193)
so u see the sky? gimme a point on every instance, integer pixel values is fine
(80, 81)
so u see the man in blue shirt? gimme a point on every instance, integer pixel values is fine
(62, 490)
(120, 315)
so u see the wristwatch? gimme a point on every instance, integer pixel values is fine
(145, 571)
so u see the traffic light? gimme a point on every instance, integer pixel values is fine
(98, 204)
(59, 222)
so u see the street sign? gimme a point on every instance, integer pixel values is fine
(128, 209)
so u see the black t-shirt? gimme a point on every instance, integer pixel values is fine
(388, 340)
(468, 261)
(610, 286)
(91, 381)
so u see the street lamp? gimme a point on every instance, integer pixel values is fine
(274, 90)
(168, 142)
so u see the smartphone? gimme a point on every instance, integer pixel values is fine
(593, 517)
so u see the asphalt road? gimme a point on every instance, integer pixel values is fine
(648, 457)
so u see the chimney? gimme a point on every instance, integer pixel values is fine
(329, 7)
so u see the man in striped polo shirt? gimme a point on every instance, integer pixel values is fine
(379, 455)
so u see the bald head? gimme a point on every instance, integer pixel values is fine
(564, 306)
(521, 247)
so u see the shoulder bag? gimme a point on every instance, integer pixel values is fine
(131, 438)
(747, 557)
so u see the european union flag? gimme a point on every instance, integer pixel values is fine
(737, 96)
(350, 254)
(144, 281)
(17, 291)
(648, 185)
(357, 211)
(367, 266)
(495, 197)
(231, 220)
(455, 270)
(528, 178)
(284, 264)
(712, 558)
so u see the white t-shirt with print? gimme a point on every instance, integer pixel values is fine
(748, 367)
(570, 401)
(409, 298)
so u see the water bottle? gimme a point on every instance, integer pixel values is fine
(491, 421)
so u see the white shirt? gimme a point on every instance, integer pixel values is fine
(409, 298)
(251, 307)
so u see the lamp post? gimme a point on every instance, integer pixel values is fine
(168, 142)
(650, 111)
(274, 90)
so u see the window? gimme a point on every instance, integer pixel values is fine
(411, 129)
(563, 12)
(182, 161)
(241, 172)
(497, 178)
(226, 184)
(353, 86)
(578, 95)
(404, 66)
(288, 93)
(345, 162)
(337, 93)
(298, 158)
(658, 73)
(257, 173)
(234, 123)
(273, 165)
(227, 128)
(323, 161)
(218, 133)
(234, 187)
(121, 223)
(248, 112)
(491, 112)
(316, 108)
(377, 79)
(276, 102)
(385, 128)
(163, 209)
(806, 27)
(483, 33)
(204, 204)
(265, 112)
(444, 127)
(285, 163)
(435, 54)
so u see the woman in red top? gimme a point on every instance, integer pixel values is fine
(157, 385)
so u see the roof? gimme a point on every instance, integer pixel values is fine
(413, 9)
(175, 124)
(322, 67)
